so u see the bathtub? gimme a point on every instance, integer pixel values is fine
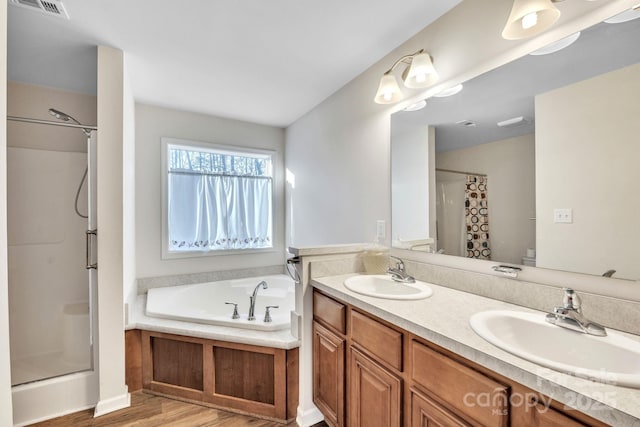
(205, 302)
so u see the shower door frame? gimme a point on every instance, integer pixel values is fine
(77, 390)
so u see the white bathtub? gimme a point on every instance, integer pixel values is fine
(205, 302)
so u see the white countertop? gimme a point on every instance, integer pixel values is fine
(276, 339)
(443, 319)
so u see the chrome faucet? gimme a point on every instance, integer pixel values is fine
(570, 316)
(252, 300)
(399, 274)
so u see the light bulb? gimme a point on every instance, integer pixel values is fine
(529, 20)
(421, 78)
(387, 96)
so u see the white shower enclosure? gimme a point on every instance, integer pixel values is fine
(51, 248)
(450, 213)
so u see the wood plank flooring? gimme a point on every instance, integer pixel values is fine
(148, 410)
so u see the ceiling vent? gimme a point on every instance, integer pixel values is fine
(467, 123)
(48, 7)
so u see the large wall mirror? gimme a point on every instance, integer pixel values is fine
(535, 163)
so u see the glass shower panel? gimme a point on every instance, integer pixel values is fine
(49, 290)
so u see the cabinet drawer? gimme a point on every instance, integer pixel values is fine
(465, 390)
(381, 341)
(329, 311)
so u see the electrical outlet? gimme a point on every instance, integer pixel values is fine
(381, 229)
(563, 216)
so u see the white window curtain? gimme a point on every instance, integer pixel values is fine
(221, 202)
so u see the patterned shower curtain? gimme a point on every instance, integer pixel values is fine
(477, 217)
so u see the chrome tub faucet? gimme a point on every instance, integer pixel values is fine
(252, 299)
(570, 316)
(399, 274)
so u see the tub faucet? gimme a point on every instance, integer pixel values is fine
(570, 316)
(399, 274)
(252, 300)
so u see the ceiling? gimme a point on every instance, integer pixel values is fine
(263, 61)
(509, 90)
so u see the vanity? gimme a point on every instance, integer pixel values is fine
(385, 362)
(414, 363)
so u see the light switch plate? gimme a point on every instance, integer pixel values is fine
(563, 216)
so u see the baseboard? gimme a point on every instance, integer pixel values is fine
(112, 404)
(309, 417)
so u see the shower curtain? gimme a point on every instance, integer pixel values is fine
(477, 217)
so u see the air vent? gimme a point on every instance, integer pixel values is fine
(48, 7)
(467, 123)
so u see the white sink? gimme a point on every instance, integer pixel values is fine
(614, 359)
(382, 286)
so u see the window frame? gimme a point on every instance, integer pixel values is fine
(166, 143)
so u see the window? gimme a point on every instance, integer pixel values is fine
(217, 198)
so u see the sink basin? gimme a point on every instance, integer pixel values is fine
(382, 286)
(614, 359)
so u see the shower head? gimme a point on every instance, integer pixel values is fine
(67, 118)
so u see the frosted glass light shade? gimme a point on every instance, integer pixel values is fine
(388, 91)
(529, 17)
(421, 72)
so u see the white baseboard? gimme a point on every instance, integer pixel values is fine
(112, 404)
(309, 417)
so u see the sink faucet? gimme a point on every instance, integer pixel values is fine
(399, 274)
(252, 300)
(570, 316)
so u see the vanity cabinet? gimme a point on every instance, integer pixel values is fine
(388, 377)
(375, 393)
(427, 412)
(328, 374)
(329, 356)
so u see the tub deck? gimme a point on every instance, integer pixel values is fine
(281, 339)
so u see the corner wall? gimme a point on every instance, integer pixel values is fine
(6, 409)
(111, 104)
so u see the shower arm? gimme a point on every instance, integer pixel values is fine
(51, 122)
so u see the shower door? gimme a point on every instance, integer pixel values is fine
(51, 292)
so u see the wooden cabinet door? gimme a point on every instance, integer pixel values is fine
(545, 416)
(328, 374)
(375, 396)
(427, 413)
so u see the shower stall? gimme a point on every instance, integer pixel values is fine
(51, 189)
(450, 213)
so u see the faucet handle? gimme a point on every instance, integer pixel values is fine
(571, 300)
(267, 314)
(399, 262)
(235, 314)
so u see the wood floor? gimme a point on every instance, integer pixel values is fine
(148, 410)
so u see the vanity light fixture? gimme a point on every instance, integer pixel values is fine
(418, 73)
(529, 18)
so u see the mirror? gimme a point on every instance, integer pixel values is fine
(534, 163)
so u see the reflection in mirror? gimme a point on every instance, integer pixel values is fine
(532, 163)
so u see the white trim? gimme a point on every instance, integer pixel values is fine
(309, 417)
(112, 404)
(166, 143)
